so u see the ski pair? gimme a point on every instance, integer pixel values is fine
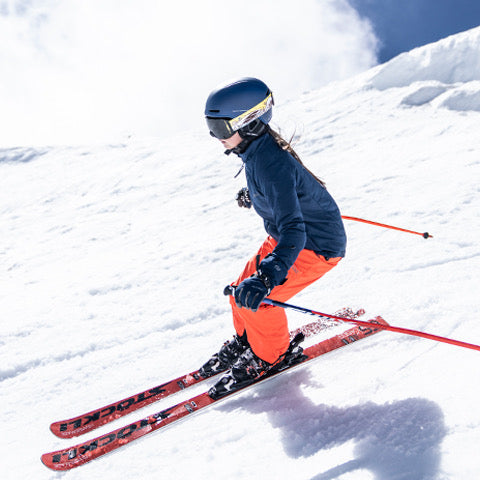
(96, 418)
(82, 453)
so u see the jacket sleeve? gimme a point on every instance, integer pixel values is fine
(278, 180)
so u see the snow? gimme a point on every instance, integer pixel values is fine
(114, 260)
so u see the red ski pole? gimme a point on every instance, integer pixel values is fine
(230, 290)
(372, 324)
(424, 235)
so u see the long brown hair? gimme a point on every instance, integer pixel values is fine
(287, 146)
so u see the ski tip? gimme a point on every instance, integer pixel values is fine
(381, 321)
(46, 460)
(57, 428)
(54, 460)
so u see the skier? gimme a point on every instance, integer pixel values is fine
(306, 237)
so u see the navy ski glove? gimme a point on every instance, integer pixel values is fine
(251, 292)
(273, 269)
(243, 198)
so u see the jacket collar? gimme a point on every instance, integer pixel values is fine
(251, 149)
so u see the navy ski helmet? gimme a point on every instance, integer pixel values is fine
(232, 106)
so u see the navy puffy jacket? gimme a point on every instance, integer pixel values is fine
(297, 211)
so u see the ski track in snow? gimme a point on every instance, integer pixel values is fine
(114, 260)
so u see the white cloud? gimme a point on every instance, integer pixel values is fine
(87, 70)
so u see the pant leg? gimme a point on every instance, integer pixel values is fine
(267, 328)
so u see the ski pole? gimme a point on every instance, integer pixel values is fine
(372, 324)
(230, 290)
(424, 235)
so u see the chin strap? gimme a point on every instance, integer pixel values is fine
(241, 147)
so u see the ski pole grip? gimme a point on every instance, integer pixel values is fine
(229, 290)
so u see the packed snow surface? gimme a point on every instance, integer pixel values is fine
(114, 259)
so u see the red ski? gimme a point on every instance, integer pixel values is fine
(89, 421)
(86, 451)
(96, 418)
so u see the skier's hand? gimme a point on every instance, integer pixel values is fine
(250, 293)
(243, 198)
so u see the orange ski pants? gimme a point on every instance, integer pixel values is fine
(267, 328)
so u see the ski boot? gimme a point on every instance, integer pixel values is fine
(248, 368)
(226, 357)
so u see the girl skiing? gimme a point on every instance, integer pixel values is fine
(305, 239)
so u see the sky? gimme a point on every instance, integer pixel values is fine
(403, 25)
(83, 71)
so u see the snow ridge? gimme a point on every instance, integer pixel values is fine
(448, 69)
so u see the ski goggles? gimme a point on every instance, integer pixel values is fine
(224, 128)
(220, 128)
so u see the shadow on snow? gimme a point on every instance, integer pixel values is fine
(397, 441)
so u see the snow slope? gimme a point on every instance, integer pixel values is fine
(114, 259)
